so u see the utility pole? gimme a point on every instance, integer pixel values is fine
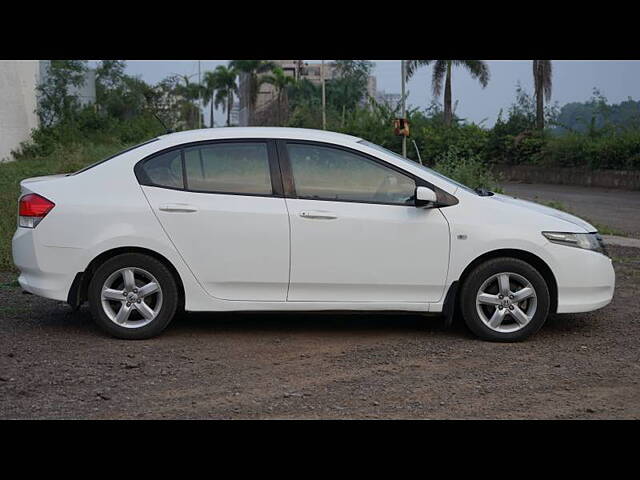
(404, 110)
(199, 97)
(324, 99)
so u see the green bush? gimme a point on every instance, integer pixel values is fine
(89, 127)
(616, 151)
(465, 168)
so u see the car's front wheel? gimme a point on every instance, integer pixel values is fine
(505, 300)
(133, 296)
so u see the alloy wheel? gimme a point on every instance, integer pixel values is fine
(506, 302)
(131, 297)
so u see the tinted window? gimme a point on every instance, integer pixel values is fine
(333, 174)
(229, 168)
(165, 170)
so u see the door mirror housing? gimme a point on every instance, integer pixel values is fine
(425, 197)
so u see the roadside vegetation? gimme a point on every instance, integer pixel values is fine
(593, 134)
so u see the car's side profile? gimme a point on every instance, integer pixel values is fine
(237, 219)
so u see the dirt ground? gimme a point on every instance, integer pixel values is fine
(57, 364)
(616, 209)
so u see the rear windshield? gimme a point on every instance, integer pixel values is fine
(113, 156)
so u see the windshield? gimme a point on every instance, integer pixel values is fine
(416, 164)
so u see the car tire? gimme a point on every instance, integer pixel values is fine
(495, 315)
(149, 296)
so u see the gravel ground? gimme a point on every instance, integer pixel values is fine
(57, 364)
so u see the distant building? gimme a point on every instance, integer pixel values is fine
(391, 100)
(294, 68)
(19, 100)
(235, 114)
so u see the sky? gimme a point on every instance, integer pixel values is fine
(573, 81)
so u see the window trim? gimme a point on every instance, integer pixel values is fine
(289, 180)
(274, 169)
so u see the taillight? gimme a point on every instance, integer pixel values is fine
(33, 208)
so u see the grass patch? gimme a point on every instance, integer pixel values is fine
(9, 285)
(61, 160)
(13, 284)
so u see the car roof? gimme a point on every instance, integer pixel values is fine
(258, 132)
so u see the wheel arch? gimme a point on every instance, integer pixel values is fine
(78, 291)
(532, 259)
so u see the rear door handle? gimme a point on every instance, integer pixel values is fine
(178, 207)
(318, 214)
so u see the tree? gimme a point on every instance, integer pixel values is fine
(442, 72)
(348, 87)
(252, 68)
(119, 95)
(57, 102)
(280, 81)
(226, 87)
(109, 76)
(188, 93)
(542, 83)
(208, 90)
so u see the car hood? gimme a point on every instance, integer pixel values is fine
(541, 209)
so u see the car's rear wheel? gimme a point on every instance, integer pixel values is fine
(505, 300)
(133, 296)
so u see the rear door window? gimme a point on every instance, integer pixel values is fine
(164, 170)
(229, 167)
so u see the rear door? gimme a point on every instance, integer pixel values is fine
(356, 234)
(221, 205)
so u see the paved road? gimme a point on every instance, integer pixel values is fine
(617, 209)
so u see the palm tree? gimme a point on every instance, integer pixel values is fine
(442, 71)
(224, 80)
(189, 93)
(542, 83)
(253, 68)
(208, 90)
(280, 81)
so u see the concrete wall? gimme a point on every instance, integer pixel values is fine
(18, 80)
(622, 179)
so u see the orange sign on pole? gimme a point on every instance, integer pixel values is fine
(401, 127)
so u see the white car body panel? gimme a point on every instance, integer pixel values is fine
(367, 252)
(241, 249)
(256, 253)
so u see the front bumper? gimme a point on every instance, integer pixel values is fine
(586, 279)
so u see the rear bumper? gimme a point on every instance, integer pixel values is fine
(45, 271)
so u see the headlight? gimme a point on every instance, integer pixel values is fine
(588, 241)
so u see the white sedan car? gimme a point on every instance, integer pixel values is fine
(239, 219)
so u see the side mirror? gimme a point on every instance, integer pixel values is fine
(425, 196)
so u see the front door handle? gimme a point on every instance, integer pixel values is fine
(178, 207)
(318, 214)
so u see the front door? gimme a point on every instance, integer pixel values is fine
(356, 235)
